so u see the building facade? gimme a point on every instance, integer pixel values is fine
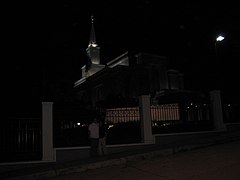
(125, 77)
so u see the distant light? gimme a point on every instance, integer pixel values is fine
(78, 124)
(110, 126)
(219, 38)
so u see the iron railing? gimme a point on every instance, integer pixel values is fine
(21, 139)
(177, 117)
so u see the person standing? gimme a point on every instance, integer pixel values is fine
(93, 134)
(102, 138)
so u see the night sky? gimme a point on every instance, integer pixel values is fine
(46, 42)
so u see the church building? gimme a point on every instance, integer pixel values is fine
(125, 77)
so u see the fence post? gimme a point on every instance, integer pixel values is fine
(217, 110)
(47, 132)
(146, 122)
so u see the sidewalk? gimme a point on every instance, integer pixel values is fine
(51, 169)
(218, 162)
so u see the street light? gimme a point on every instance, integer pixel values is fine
(218, 39)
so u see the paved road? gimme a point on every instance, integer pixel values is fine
(219, 162)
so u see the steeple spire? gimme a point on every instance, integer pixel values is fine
(92, 40)
(93, 51)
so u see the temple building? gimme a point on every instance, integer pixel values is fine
(125, 77)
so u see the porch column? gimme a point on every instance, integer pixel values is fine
(146, 122)
(47, 132)
(215, 97)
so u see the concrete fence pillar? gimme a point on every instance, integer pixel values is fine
(47, 132)
(146, 122)
(215, 97)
